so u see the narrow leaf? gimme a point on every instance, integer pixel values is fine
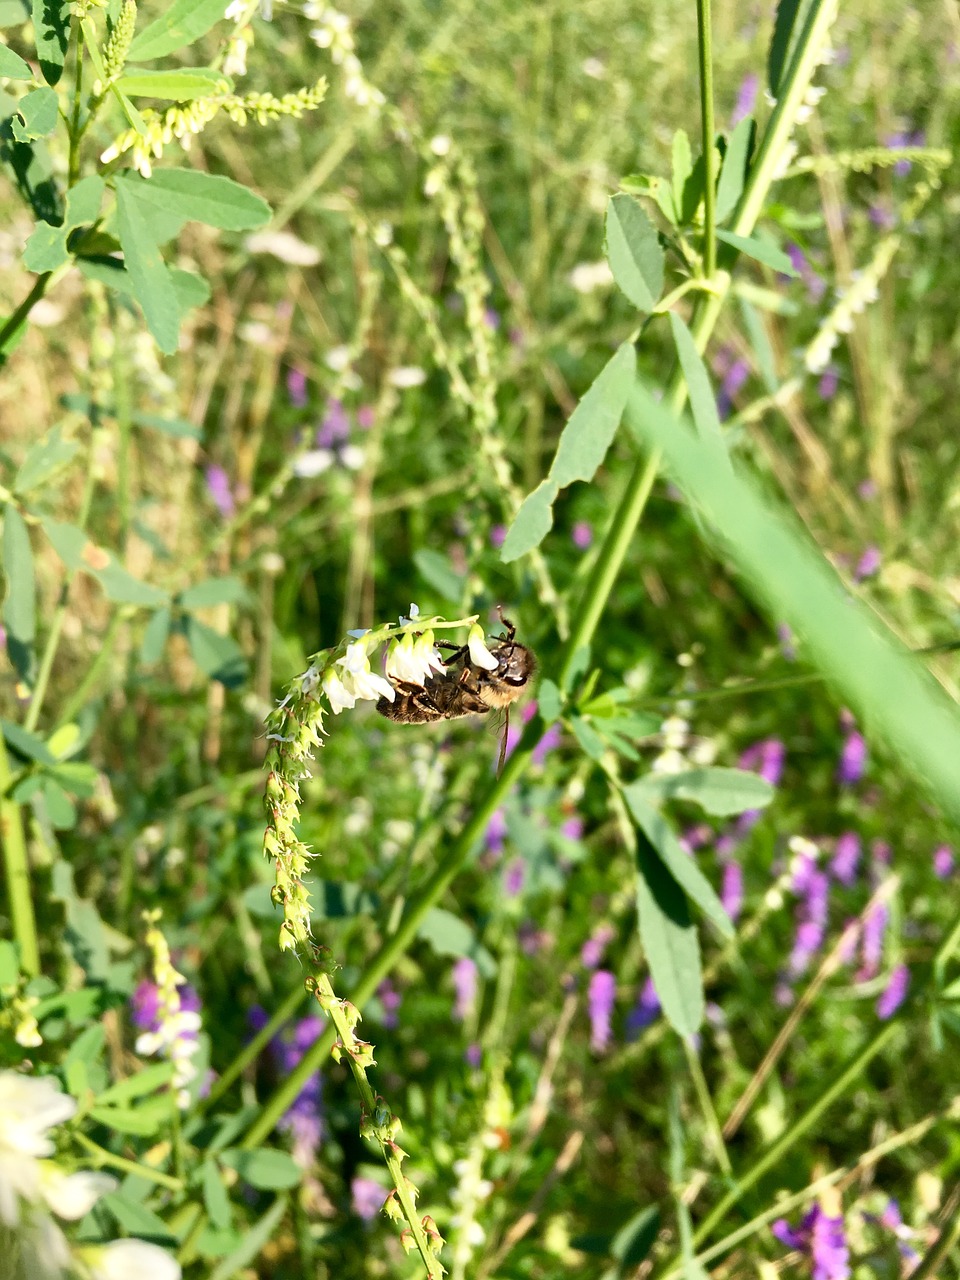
(703, 402)
(716, 790)
(215, 1196)
(51, 26)
(670, 942)
(634, 252)
(733, 174)
(266, 1169)
(593, 424)
(682, 166)
(532, 522)
(783, 27)
(677, 861)
(20, 592)
(173, 86)
(149, 274)
(892, 695)
(591, 741)
(760, 250)
(138, 1219)
(183, 22)
(760, 344)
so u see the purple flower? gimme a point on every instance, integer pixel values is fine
(572, 828)
(591, 953)
(546, 743)
(297, 387)
(473, 1054)
(304, 1120)
(892, 1219)
(731, 892)
(513, 880)
(366, 417)
(867, 489)
(746, 98)
(787, 645)
(813, 886)
(491, 318)
(871, 941)
(829, 380)
(465, 985)
(894, 993)
(498, 535)
(145, 1006)
(766, 758)
(733, 380)
(644, 1011)
(868, 564)
(218, 487)
(390, 999)
(600, 997)
(846, 858)
(496, 831)
(822, 1239)
(367, 1198)
(880, 214)
(335, 427)
(582, 534)
(853, 759)
(943, 861)
(815, 285)
(896, 141)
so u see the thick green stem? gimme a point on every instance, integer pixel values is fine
(705, 48)
(11, 327)
(17, 871)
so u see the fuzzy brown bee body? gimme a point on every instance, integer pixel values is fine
(463, 688)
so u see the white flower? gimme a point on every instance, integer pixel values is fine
(313, 463)
(285, 247)
(29, 1106)
(358, 679)
(236, 10)
(123, 1259)
(338, 695)
(440, 145)
(588, 276)
(480, 655)
(71, 1195)
(44, 1252)
(412, 659)
(407, 376)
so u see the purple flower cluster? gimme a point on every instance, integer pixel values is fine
(853, 755)
(304, 1121)
(733, 371)
(846, 858)
(465, 987)
(894, 993)
(812, 886)
(591, 953)
(814, 283)
(822, 1239)
(645, 1011)
(600, 997)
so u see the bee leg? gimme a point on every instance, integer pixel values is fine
(503, 742)
(511, 629)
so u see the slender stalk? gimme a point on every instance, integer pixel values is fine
(705, 50)
(949, 1234)
(707, 1109)
(11, 326)
(105, 1158)
(73, 169)
(251, 1051)
(17, 870)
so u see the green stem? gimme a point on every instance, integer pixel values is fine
(929, 1265)
(12, 326)
(706, 1107)
(106, 1158)
(795, 1132)
(104, 655)
(73, 170)
(17, 870)
(705, 49)
(251, 1051)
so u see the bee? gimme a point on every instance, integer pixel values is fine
(465, 689)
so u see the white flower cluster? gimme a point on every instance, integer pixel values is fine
(34, 1187)
(333, 32)
(863, 290)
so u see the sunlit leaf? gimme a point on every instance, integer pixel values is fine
(51, 27)
(183, 22)
(266, 1169)
(634, 252)
(760, 250)
(703, 403)
(175, 86)
(593, 424)
(733, 173)
(36, 116)
(532, 522)
(717, 790)
(44, 460)
(670, 941)
(20, 593)
(148, 273)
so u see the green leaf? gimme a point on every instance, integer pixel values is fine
(51, 27)
(448, 935)
(122, 587)
(179, 428)
(155, 636)
(532, 522)
(887, 688)
(67, 540)
(634, 252)
(26, 744)
(12, 66)
(703, 402)
(760, 344)
(46, 248)
(716, 790)
(61, 810)
(183, 22)
(633, 1242)
(20, 593)
(144, 1121)
(591, 741)
(189, 291)
(549, 701)
(137, 1219)
(760, 250)
(147, 1080)
(266, 1169)
(149, 274)
(39, 112)
(205, 197)
(593, 423)
(677, 861)
(682, 167)
(14, 13)
(733, 173)
(218, 656)
(783, 28)
(253, 1241)
(437, 572)
(44, 460)
(213, 591)
(174, 86)
(670, 942)
(215, 1196)
(87, 1047)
